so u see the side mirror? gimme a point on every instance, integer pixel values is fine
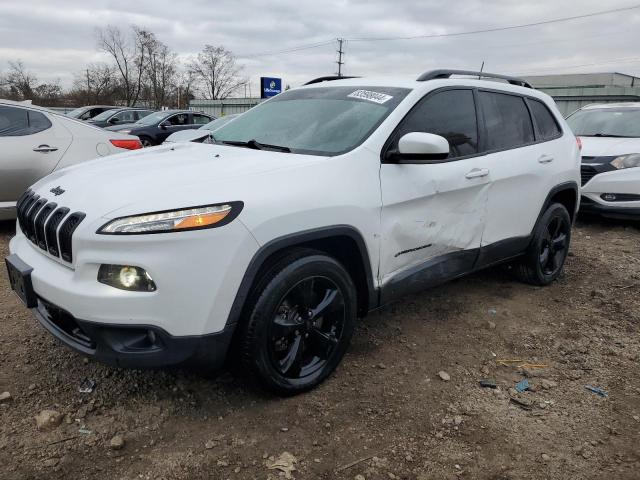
(419, 147)
(113, 120)
(164, 125)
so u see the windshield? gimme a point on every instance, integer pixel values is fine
(606, 122)
(77, 112)
(315, 121)
(105, 115)
(217, 123)
(153, 118)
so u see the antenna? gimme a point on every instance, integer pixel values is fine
(481, 69)
(340, 54)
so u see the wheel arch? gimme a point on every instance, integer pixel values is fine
(567, 194)
(343, 242)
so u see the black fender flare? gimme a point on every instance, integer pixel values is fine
(291, 240)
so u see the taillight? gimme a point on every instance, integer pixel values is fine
(579, 142)
(127, 144)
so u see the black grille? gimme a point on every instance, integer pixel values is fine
(587, 173)
(24, 209)
(39, 221)
(39, 224)
(30, 230)
(51, 230)
(66, 232)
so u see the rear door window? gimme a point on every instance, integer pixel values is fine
(506, 119)
(16, 122)
(450, 114)
(546, 125)
(179, 119)
(200, 119)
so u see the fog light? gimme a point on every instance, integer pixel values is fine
(609, 197)
(126, 277)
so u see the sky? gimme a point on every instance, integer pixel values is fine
(56, 38)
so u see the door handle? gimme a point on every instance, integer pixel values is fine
(545, 159)
(45, 149)
(477, 173)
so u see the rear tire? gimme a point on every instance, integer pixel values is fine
(146, 142)
(544, 259)
(300, 320)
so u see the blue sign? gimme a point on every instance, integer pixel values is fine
(270, 86)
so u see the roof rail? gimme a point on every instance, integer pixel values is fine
(327, 79)
(435, 74)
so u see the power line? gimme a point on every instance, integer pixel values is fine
(288, 50)
(496, 29)
(564, 66)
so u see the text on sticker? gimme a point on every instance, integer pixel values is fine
(371, 96)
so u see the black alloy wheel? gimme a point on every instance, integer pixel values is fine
(298, 321)
(307, 327)
(544, 259)
(554, 246)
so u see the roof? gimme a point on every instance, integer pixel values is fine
(598, 106)
(412, 84)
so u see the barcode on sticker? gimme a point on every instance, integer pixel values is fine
(371, 96)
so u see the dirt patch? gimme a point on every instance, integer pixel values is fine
(385, 413)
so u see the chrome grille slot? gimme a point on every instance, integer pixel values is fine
(65, 234)
(51, 230)
(30, 229)
(39, 224)
(24, 209)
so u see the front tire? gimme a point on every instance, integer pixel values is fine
(300, 321)
(544, 259)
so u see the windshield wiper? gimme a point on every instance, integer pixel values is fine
(606, 135)
(256, 145)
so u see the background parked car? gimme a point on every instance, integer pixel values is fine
(155, 128)
(88, 112)
(119, 116)
(610, 136)
(202, 133)
(35, 141)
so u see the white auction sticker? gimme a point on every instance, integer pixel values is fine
(371, 96)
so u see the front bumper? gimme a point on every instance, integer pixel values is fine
(591, 207)
(623, 184)
(133, 346)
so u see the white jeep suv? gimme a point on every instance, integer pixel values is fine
(306, 212)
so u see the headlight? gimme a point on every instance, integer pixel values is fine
(627, 161)
(194, 218)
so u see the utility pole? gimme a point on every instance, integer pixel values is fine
(340, 54)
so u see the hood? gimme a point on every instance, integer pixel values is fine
(166, 177)
(123, 126)
(609, 146)
(187, 135)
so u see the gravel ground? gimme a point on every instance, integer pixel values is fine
(386, 413)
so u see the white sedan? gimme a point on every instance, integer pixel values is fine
(35, 141)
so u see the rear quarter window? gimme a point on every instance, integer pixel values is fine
(546, 124)
(507, 121)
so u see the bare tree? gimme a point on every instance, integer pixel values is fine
(184, 88)
(20, 82)
(217, 73)
(128, 53)
(160, 70)
(96, 84)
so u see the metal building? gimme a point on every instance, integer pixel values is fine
(220, 108)
(572, 91)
